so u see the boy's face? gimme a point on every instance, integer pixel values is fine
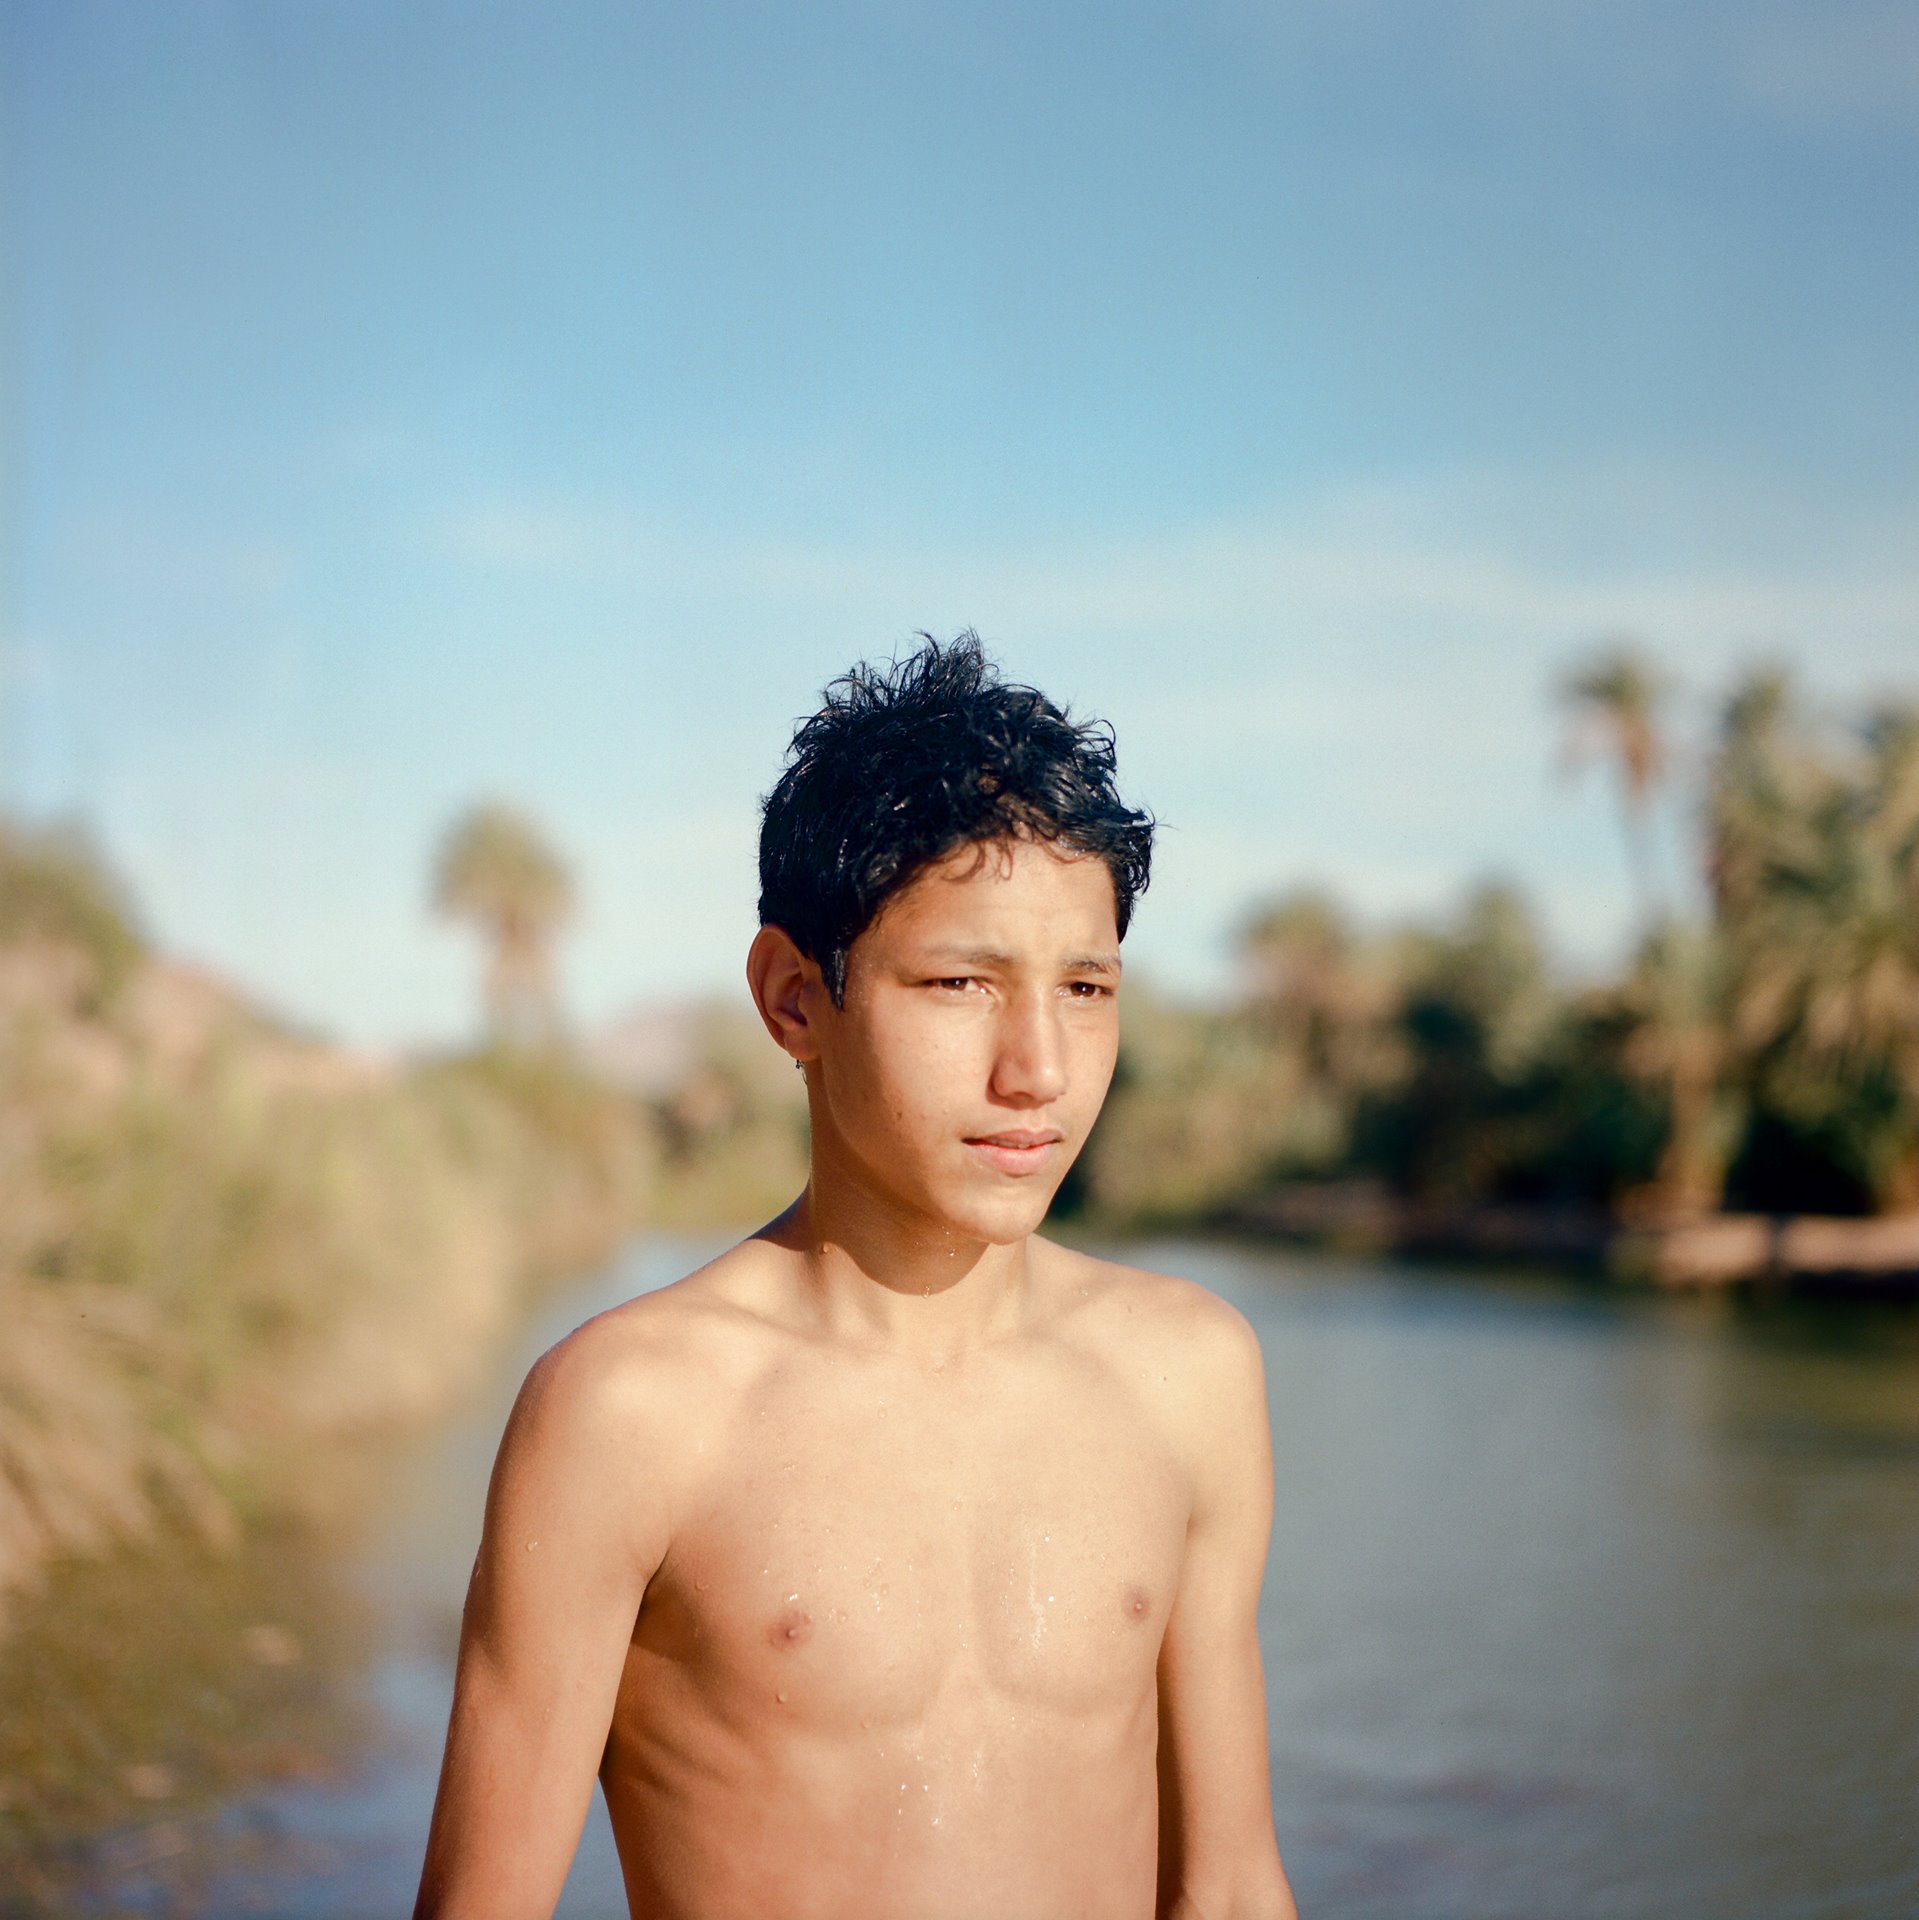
(979, 1033)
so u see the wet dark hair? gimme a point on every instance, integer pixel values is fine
(902, 765)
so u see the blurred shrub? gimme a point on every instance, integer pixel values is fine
(733, 1130)
(1201, 1103)
(58, 899)
(219, 1241)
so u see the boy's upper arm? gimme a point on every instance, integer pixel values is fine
(577, 1520)
(1218, 1855)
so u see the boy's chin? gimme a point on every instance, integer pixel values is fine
(1002, 1219)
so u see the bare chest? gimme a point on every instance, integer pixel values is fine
(862, 1552)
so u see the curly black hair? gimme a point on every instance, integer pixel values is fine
(903, 764)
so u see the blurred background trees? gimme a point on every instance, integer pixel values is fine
(1759, 1051)
(1814, 864)
(1614, 702)
(498, 871)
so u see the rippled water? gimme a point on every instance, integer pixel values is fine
(1580, 1605)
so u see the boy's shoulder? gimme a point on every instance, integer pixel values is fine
(667, 1354)
(1191, 1360)
(1144, 1318)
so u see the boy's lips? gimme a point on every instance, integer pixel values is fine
(1016, 1149)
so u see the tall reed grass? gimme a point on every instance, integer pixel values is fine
(220, 1241)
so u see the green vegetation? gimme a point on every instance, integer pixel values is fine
(1764, 1055)
(221, 1242)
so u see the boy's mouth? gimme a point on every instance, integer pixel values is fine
(1017, 1149)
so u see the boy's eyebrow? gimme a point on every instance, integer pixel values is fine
(1107, 963)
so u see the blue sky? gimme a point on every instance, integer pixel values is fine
(417, 402)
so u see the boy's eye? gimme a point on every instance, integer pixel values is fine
(1088, 990)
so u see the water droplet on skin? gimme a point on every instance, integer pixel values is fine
(866, 1719)
(781, 1697)
(1049, 1598)
(790, 1598)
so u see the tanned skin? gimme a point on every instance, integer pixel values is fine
(900, 1564)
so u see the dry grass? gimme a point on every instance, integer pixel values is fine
(219, 1242)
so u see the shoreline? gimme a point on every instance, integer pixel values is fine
(1831, 1255)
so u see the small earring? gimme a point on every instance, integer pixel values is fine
(799, 1066)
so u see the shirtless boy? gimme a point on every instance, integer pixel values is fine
(900, 1564)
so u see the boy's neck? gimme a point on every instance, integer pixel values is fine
(879, 1277)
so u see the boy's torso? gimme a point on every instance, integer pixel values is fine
(900, 1656)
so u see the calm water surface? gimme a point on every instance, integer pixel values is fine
(1579, 1606)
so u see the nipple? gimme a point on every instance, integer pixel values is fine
(792, 1627)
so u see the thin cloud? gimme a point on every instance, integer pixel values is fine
(1446, 562)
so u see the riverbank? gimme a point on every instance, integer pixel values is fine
(1811, 1253)
(224, 1244)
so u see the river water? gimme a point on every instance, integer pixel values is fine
(1581, 1605)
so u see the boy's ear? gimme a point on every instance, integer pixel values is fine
(784, 982)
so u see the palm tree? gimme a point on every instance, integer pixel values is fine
(1761, 794)
(1491, 964)
(1312, 985)
(1615, 700)
(496, 869)
(1320, 1001)
(1677, 1037)
(1828, 944)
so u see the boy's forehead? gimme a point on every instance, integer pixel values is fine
(1008, 882)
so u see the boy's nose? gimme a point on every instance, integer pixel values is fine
(1032, 1061)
